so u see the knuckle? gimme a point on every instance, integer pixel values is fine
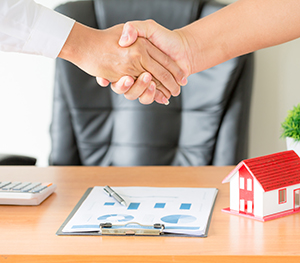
(131, 71)
(165, 76)
(150, 22)
(167, 61)
(142, 41)
(135, 57)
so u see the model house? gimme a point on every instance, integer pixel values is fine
(265, 187)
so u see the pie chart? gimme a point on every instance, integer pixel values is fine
(178, 219)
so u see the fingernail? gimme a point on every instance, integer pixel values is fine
(124, 38)
(183, 81)
(151, 87)
(146, 78)
(165, 101)
(128, 83)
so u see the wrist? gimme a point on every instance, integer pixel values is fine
(204, 48)
(76, 44)
(191, 51)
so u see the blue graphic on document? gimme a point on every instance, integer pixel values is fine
(133, 206)
(115, 218)
(178, 219)
(160, 205)
(185, 206)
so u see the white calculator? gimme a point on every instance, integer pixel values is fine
(24, 193)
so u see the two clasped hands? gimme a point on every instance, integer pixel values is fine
(133, 58)
(144, 60)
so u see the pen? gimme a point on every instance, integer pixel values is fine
(115, 195)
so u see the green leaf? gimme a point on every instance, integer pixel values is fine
(291, 124)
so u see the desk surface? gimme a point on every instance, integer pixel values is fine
(28, 233)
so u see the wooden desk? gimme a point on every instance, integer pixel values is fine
(27, 234)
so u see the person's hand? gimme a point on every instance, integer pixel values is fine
(172, 43)
(97, 52)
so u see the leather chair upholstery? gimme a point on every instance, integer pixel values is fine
(13, 159)
(206, 125)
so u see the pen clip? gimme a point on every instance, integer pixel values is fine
(106, 190)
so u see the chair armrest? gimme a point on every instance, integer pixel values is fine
(11, 159)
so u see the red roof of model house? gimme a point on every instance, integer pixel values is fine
(272, 171)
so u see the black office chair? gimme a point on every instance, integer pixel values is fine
(206, 125)
(13, 159)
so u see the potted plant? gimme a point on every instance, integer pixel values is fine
(291, 129)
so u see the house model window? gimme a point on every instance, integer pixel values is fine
(249, 184)
(282, 196)
(242, 183)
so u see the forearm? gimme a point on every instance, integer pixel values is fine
(240, 28)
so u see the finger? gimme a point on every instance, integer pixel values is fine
(129, 35)
(166, 62)
(139, 86)
(122, 85)
(148, 96)
(102, 82)
(160, 72)
(162, 88)
(160, 98)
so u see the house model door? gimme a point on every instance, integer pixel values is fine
(297, 198)
(246, 191)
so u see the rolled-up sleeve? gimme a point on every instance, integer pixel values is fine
(28, 27)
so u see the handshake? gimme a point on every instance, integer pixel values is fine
(141, 59)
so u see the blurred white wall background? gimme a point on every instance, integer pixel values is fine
(26, 99)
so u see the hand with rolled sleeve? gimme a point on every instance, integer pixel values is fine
(28, 27)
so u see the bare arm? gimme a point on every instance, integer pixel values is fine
(240, 28)
(237, 29)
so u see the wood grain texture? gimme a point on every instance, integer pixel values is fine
(27, 233)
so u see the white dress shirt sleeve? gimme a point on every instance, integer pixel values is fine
(28, 27)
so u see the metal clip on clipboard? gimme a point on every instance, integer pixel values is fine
(132, 228)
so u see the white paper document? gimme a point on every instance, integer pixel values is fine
(181, 210)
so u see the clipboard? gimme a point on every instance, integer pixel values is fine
(129, 228)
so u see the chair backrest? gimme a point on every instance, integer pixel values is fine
(206, 125)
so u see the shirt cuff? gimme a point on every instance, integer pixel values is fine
(49, 34)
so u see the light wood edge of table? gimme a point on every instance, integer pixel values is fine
(147, 258)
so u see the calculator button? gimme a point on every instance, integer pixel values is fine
(11, 186)
(21, 186)
(30, 187)
(2, 184)
(38, 189)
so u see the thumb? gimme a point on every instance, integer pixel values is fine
(133, 30)
(129, 35)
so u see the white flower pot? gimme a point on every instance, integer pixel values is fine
(291, 144)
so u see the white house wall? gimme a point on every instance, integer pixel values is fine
(258, 199)
(271, 198)
(234, 192)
